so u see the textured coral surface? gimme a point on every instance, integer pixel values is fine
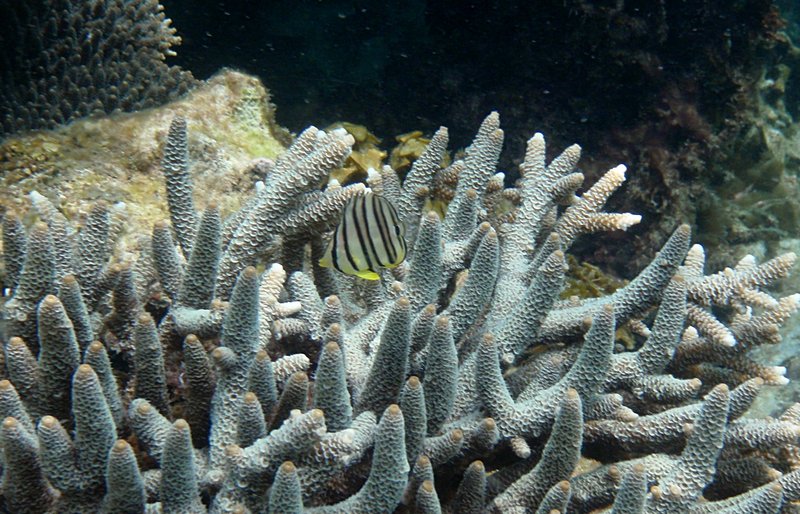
(222, 369)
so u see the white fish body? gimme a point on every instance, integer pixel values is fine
(369, 236)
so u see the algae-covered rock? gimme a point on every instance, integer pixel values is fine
(117, 158)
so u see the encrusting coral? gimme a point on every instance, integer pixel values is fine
(460, 382)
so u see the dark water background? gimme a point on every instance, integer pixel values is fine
(396, 66)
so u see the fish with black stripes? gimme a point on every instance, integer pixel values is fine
(369, 237)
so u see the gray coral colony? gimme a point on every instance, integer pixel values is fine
(457, 380)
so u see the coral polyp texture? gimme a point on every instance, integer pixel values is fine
(222, 369)
(62, 60)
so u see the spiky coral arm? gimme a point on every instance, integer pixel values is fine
(486, 337)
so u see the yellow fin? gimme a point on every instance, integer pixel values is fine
(369, 275)
(325, 261)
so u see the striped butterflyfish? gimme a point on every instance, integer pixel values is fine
(370, 236)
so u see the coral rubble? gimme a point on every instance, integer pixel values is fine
(258, 381)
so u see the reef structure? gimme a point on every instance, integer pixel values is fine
(224, 370)
(117, 158)
(63, 60)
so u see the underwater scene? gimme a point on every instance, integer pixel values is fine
(344, 257)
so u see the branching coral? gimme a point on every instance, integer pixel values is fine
(460, 382)
(62, 60)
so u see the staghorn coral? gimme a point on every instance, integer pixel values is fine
(460, 382)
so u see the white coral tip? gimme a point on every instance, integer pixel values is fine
(520, 447)
(628, 220)
(333, 184)
(619, 171)
(339, 131)
(747, 261)
(286, 309)
(697, 250)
